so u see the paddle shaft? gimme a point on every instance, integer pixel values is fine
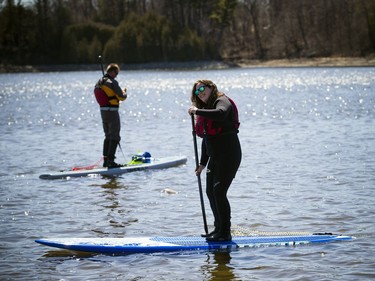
(198, 176)
(101, 64)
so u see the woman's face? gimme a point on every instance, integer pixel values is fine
(203, 92)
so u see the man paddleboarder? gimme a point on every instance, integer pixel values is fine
(109, 94)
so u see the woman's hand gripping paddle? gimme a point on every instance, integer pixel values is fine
(198, 176)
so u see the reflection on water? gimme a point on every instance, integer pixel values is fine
(114, 203)
(112, 183)
(66, 254)
(218, 268)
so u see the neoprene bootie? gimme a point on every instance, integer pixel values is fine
(220, 237)
(113, 164)
(110, 163)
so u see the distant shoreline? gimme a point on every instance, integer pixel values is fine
(314, 62)
(201, 65)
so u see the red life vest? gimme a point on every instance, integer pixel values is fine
(105, 96)
(204, 126)
(101, 97)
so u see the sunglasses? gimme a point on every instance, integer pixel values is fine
(199, 90)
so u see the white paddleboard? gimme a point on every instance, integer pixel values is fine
(160, 163)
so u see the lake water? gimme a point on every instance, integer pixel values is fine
(308, 142)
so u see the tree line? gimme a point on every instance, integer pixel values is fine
(139, 31)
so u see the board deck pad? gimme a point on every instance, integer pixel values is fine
(127, 245)
(159, 163)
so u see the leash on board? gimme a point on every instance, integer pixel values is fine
(199, 176)
(89, 167)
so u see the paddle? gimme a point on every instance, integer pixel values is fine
(198, 176)
(101, 64)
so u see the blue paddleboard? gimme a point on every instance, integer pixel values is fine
(127, 245)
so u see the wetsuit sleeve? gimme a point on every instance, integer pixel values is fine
(119, 92)
(204, 157)
(219, 113)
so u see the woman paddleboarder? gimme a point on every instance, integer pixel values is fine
(217, 123)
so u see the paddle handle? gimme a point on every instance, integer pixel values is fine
(198, 176)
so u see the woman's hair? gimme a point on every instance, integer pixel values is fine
(214, 94)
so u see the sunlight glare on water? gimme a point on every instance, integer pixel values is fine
(307, 137)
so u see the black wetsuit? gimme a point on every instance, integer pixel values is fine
(223, 154)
